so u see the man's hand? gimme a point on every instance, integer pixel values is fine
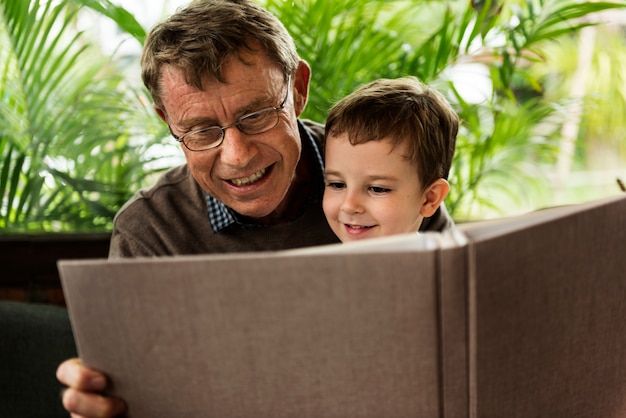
(81, 398)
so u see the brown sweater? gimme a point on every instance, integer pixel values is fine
(171, 218)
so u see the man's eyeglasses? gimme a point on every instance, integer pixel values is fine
(250, 124)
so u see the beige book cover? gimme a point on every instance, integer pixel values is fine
(522, 317)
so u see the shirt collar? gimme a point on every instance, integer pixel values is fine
(221, 216)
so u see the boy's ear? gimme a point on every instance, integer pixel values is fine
(433, 196)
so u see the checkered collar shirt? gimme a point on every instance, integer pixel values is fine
(221, 216)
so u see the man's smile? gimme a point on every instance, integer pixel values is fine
(242, 181)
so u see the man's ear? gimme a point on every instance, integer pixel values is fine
(160, 112)
(301, 87)
(433, 197)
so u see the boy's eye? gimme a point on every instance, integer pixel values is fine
(379, 190)
(336, 185)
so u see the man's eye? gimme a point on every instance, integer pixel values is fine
(379, 190)
(337, 185)
(209, 134)
(252, 117)
(204, 134)
(257, 117)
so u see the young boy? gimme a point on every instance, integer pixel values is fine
(388, 150)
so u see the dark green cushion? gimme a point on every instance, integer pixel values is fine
(34, 340)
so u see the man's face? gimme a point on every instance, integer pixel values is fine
(251, 174)
(372, 190)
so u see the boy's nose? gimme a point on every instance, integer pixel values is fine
(352, 204)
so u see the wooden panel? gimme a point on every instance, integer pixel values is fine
(29, 271)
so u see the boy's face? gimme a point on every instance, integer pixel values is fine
(372, 190)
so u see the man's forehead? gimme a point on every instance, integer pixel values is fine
(252, 69)
(218, 102)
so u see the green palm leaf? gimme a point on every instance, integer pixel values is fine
(67, 119)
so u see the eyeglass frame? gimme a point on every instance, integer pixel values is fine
(280, 107)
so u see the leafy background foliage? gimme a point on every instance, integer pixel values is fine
(511, 140)
(508, 146)
(77, 133)
(68, 122)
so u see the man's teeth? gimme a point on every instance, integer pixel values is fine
(250, 179)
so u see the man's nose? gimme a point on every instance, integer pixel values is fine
(236, 149)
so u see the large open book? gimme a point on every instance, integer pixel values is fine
(520, 317)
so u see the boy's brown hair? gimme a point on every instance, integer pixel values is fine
(401, 110)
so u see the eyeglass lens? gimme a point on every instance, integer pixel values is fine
(252, 124)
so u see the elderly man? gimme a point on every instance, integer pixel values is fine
(226, 78)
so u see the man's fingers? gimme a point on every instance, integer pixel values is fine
(81, 398)
(72, 373)
(84, 404)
